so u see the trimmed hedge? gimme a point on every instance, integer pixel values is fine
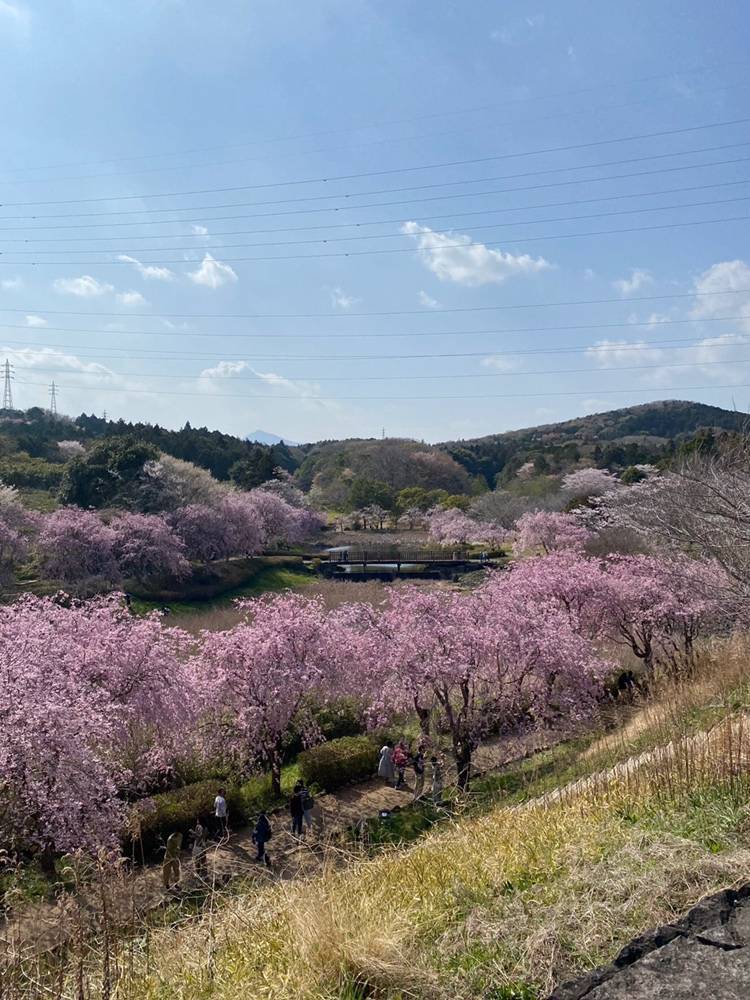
(333, 764)
(177, 810)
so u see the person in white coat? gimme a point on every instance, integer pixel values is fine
(385, 767)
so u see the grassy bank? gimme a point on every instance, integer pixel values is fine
(507, 893)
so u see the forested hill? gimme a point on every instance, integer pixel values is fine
(613, 439)
(35, 446)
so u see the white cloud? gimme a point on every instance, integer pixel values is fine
(500, 363)
(131, 299)
(15, 13)
(84, 287)
(427, 300)
(48, 357)
(35, 321)
(518, 32)
(615, 353)
(638, 279)
(341, 300)
(213, 273)
(711, 358)
(728, 274)
(225, 369)
(199, 230)
(589, 273)
(454, 257)
(151, 271)
(306, 391)
(11, 284)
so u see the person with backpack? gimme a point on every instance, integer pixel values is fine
(295, 808)
(419, 765)
(400, 760)
(261, 836)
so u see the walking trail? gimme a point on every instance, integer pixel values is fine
(130, 896)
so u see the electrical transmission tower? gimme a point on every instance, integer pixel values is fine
(7, 389)
(53, 400)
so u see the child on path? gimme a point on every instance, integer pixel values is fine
(261, 836)
(200, 849)
(400, 760)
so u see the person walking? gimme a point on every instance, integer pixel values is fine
(200, 850)
(220, 813)
(170, 869)
(400, 760)
(437, 780)
(261, 836)
(418, 764)
(385, 767)
(296, 809)
(308, 804)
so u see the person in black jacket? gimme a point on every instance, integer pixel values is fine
(297, 809)
(261, 836)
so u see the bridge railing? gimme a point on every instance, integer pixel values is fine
(382, 555)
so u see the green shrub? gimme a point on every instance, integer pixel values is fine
(153, 819)
(333, 764)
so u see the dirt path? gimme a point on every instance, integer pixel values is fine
(129, 897)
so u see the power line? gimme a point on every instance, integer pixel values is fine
(397, 121)
(378, 222)
(512, 239)
(414, 187)
(506, 306)
(411, 378)
(358, 396)
(383, 236)
(296, 154)
(594, 143)
(523, 330)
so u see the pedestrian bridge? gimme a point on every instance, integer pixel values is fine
(384, 563)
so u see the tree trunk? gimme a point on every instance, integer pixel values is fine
(423, 715)
(462, 753)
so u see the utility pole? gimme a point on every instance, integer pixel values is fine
(7, 389)
(104, 416)
(53, 399)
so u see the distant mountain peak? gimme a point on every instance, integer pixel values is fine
(265, 437)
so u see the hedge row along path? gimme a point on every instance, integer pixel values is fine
(131, 896)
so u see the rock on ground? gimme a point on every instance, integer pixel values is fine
(706, 954)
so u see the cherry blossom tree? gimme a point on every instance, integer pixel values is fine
(482, 662)
(259, 674)
(93, 701)
(589, 482)
(453, 527)
(75, 547)
(549, 532)
(145, 546)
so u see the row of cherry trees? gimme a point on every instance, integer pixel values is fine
(81, 548)
(96, 704)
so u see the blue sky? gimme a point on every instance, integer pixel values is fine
(328, 219)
